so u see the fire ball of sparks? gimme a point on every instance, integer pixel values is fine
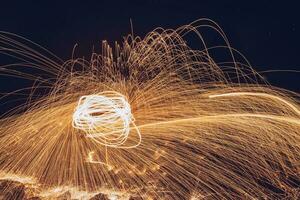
(105, 117)
(211, 128)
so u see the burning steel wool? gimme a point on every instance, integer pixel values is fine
(150, 118)
(106, 117)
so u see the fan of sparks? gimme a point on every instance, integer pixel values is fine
(150, 118)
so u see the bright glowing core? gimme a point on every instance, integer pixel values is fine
(105, 117)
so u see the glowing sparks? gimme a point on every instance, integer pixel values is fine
(203, 134)
(106, 118)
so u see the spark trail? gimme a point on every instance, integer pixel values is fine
(150, 118)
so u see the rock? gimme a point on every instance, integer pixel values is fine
(12, 190)
(100, 197)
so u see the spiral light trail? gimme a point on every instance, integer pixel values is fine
(105, 117)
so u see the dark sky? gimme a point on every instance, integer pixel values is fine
(265, 31)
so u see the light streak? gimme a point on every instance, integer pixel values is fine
(106, 118)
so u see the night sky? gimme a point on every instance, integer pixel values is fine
(267, 33)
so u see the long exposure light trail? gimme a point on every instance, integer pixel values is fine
(150, 118)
